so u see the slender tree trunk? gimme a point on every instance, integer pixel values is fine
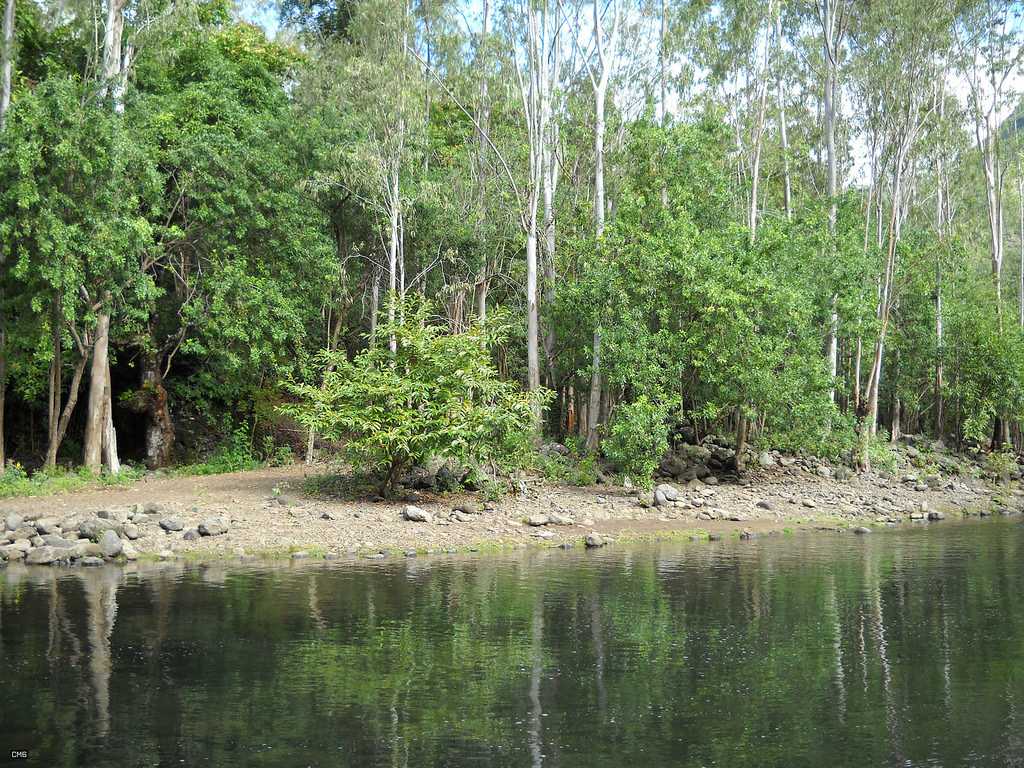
(606, 53)
(159, 427)
(856, 373)
(6, 60)
(6, 70)
(374, 302)
(393, 257)
(787, 184)
(61, 426)
(95, 423)
(594, 403)
(830, 45)
(109, 435)
(742, 429)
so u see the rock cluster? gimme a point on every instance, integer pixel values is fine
(85, 540)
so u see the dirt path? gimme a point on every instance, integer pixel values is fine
(270, 512)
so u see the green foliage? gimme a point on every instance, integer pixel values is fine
(881, 455)
(437, 394)
(638, 438)
(16, 481)
(1001, 464)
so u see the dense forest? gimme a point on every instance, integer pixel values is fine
(799, 223)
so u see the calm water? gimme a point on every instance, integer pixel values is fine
(895, 649)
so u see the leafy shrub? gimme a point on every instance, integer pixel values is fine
(437, 395)
(638, 438)
(1000, 464)
(881, 455)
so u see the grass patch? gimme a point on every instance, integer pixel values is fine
(15, 481)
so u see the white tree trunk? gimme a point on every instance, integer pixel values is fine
(6, 61)
(787, 184)
(95, 423)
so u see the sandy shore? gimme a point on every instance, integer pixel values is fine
(270, 512)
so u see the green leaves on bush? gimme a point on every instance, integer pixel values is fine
(437, 394)
(638, 438)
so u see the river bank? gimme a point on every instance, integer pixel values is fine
(281, 512)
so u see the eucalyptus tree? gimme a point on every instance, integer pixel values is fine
(990, 48)
(897, 63)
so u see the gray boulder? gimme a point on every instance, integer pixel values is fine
(537, 520)
(213, 526)
(131, 531)
(13, 522)
(86, 548)
(766, 460)
(171, 524)
(46, 555)
(47, 525)
(560, 518)
(668, 491)
(93, 528)
(115, 515)
(54, 540)
(91, 562)
(24, 532)
(416, 515)
(110, 544)
(594, 540)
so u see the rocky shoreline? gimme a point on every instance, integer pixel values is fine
(271, 512)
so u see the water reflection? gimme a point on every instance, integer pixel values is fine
(901, 649)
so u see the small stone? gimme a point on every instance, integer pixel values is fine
(300, 555)
(192, 534)
(537, 520)
(410, 553)
(462, 517)
(861, 530)
(416, 515)
(91, 562)
(13, 522)
(213, 526)
(151, 508)
(714, 537)
(764, 504)
(131, 531)
(766, 460)
(936, 515)
(710, 480)
(746, 535)
(11, 554)
(917, 515)
(166, 554)
(809, 503)
(327, 516)
(171, 524)
(129, 552)
(110, 544)
(466, 509)
(285, 501)
(823, 471)
(594, 540)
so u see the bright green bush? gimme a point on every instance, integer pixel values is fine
(436, 395)
(638, 438)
